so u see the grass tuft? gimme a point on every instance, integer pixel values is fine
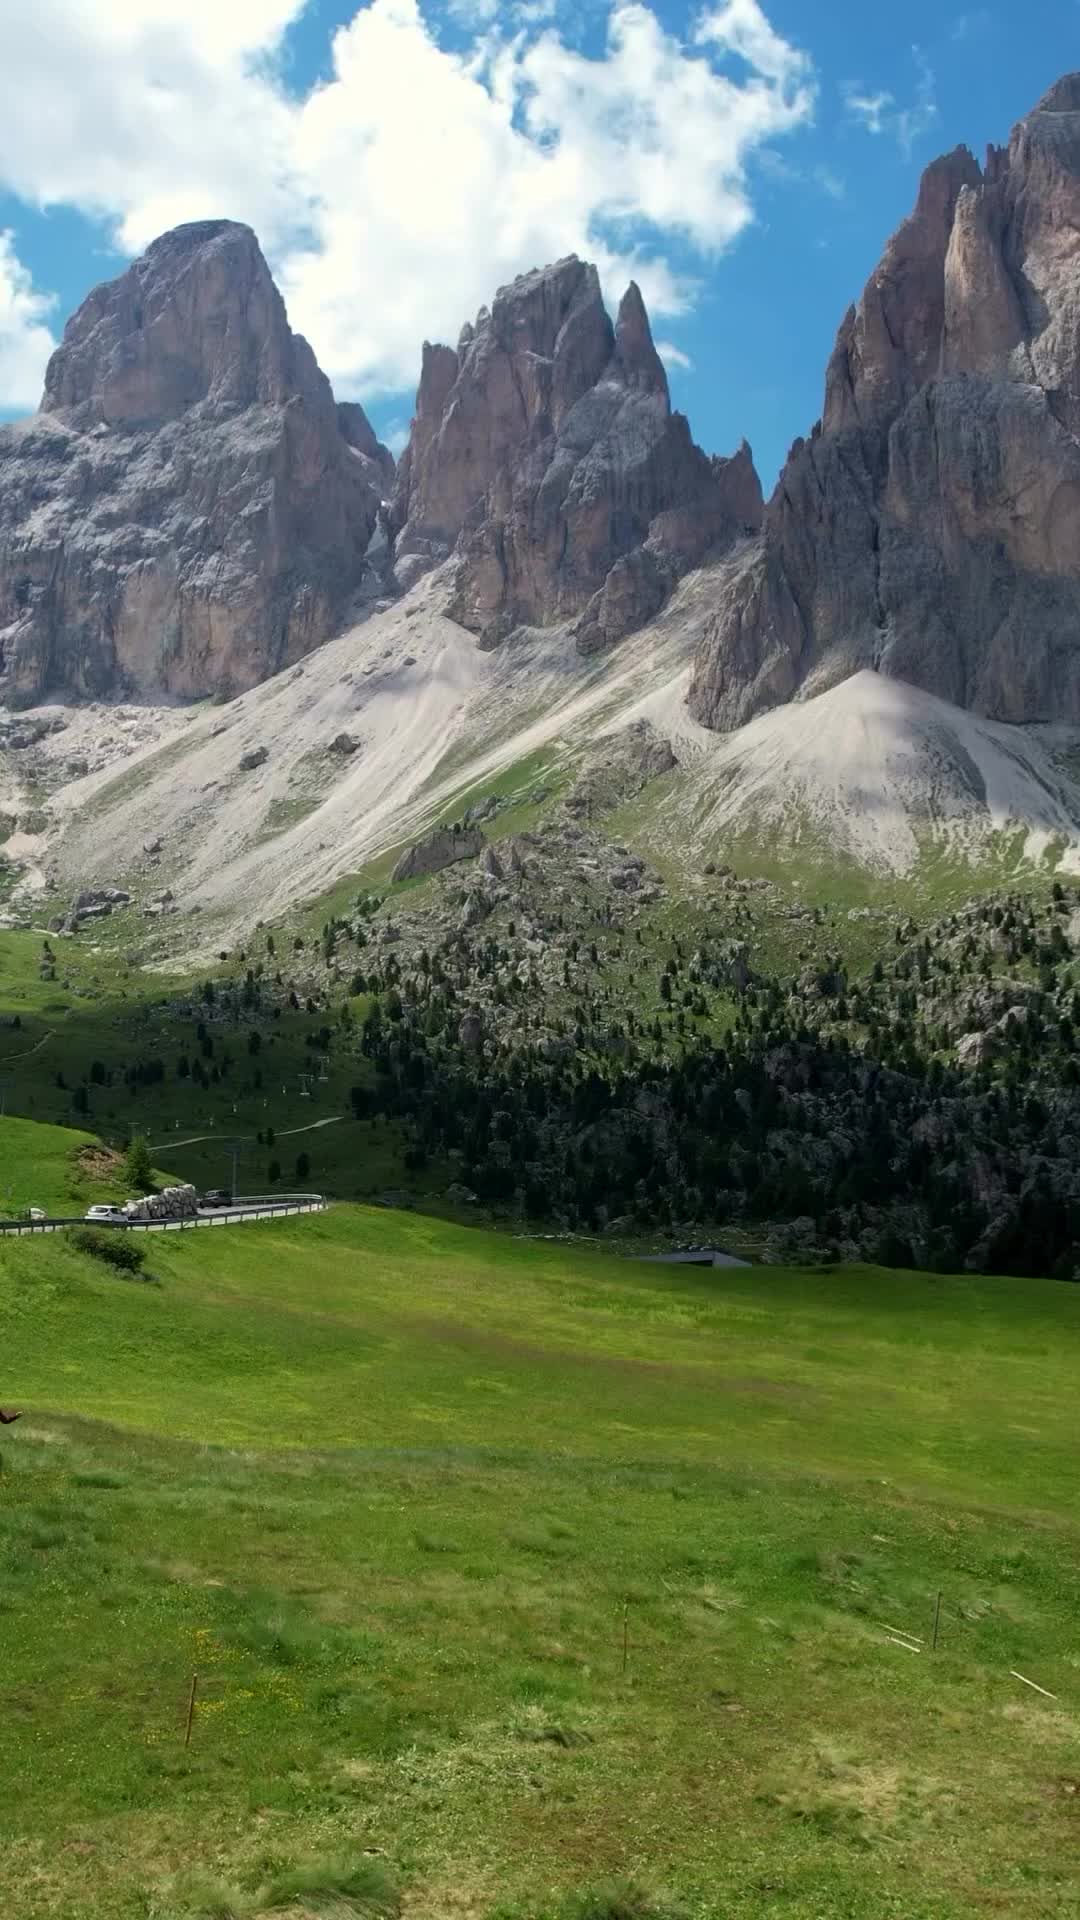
(335, 1888)
(360, 1887)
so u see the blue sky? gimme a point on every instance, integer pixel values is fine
(746, 159)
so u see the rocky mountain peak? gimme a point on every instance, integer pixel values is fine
(544, 454)
(930, 526)
(890, 343)
(196, 319)
(1062, 97)
(639, 362)
(188, 511)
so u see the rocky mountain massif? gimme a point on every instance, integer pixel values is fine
(545, 455)
(930, 526)
(188, 512)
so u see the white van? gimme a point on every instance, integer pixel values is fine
(105, 1213)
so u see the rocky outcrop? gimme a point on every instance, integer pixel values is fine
(618, 767)
(443, 848)
(93, 903)
(545, 455)
(930, 526)
(188, 511)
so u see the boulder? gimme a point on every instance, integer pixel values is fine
(443, 848)
(92, 897)
(345, 743)
(94, 903)
(975, 1049)
(482, 809)
(475, 907)
(255, 757)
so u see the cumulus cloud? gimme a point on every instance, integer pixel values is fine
(740, 26)
(400, 191)
(26, 340)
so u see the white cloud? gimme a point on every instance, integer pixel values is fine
(473, 13)
(880, 113)
(872, 109)
(147, 111)
(673, 356)
(918, 119)
(25, 337)
(740, 26)
(830, 183)
(399, 193)
(972, 26)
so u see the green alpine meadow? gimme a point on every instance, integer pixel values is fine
(517, 1579)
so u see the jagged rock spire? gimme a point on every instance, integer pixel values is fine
(544, 453)
(930, 526)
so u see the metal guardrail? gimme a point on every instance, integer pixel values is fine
(224, 1217)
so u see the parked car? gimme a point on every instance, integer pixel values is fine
(217, 1197)
(106, 1214)
(36, 1213)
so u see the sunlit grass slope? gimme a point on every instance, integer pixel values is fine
(397, 1490)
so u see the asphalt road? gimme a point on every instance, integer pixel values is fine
(243, 1211)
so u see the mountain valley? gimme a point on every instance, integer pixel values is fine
(609, 773)
(540, 1075)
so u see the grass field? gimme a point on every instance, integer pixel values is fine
(52, 1167)
(398, 1490)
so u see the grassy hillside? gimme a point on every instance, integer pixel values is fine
(53, 1167)
(397, 1490)
(101, 1045)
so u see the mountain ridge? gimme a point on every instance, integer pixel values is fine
(929, 527)
(554, 559)
(545, 456)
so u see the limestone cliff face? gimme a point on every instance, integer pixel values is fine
(930, 526)
(544, 454)
(188, 511)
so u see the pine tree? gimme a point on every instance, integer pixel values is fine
(138, 1167)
